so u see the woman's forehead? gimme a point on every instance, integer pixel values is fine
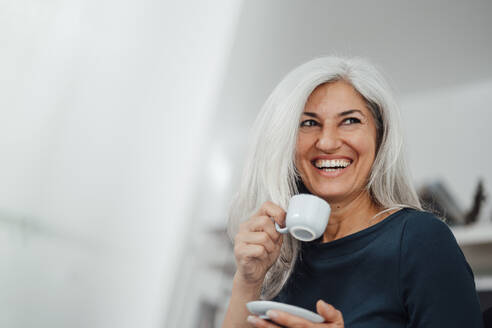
(334, 97)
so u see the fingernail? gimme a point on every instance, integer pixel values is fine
(252, 319)
(325, 305)
(272, 314)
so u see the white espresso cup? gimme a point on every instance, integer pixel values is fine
(306, 218)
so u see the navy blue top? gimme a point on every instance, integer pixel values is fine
(405, 271)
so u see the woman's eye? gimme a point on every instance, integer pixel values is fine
(309, 123)
(351, 120)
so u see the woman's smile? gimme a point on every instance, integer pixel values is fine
(331, 167)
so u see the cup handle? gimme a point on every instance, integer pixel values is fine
(281, 230)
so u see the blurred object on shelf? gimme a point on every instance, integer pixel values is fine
(220, 234)
(207, 314)
(436, 197)
(226, 267)
(478, 199)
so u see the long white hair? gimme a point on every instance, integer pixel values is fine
(270, 172)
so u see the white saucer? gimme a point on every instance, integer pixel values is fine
(261, 307)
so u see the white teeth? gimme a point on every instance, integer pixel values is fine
(331, 164)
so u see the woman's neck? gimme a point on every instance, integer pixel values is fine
(350, 216)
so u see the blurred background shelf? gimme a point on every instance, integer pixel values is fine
(477, 234)
(476, 244)
(483, 283)
(473, 235)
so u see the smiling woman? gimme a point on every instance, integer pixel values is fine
(330, 128)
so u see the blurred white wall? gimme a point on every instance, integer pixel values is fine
(105, 110)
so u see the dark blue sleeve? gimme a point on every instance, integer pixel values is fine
(437, 285)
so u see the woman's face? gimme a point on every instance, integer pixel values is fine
(336, 144)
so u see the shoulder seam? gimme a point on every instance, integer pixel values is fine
(399, 288)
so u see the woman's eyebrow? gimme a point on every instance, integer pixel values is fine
(310, 114)
(351, 111)
(344, 113)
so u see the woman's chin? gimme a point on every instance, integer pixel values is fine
(331, 197)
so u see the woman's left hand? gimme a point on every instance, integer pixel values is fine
(333, 319)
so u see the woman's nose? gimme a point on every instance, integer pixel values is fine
(328, 140)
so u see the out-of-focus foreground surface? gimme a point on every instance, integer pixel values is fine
(104, 108)
(124, 125)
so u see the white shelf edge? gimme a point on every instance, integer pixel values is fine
(483, 283)
(473, 235)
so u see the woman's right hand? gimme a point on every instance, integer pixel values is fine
(257, 244)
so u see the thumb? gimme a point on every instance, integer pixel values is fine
(328, 312)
